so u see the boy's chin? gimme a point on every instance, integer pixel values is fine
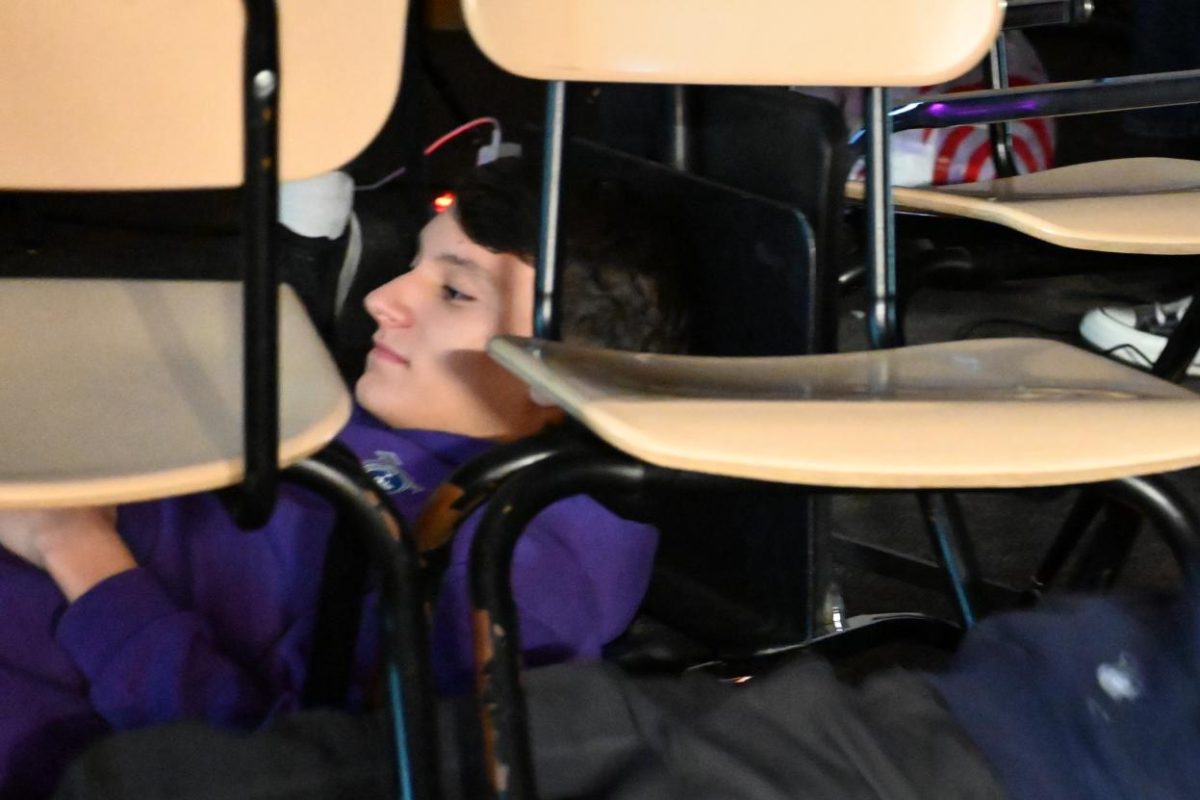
(372, 395)
(395, 406)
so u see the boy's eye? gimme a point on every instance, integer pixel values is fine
(452, 294)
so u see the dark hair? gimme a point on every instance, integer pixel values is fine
(621, 277)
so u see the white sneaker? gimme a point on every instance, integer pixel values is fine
(1135, 334)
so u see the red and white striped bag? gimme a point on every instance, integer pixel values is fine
(961, 154)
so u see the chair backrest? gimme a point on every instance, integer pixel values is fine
(753, 42)
(768, 141)
(790, 148)
(146, 94)
(753, 279)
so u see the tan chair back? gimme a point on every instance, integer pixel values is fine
(754, 42)
(146, 94)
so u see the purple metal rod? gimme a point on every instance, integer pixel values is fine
(1050, 100)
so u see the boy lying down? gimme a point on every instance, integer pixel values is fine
(116, 619)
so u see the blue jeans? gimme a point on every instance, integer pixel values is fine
(1095, 697)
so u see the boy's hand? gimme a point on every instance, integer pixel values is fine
(79, 547)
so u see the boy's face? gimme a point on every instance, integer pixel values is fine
(428, 368)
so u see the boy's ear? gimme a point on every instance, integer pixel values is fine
(553, 415)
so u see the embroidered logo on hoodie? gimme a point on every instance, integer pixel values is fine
(388, 472)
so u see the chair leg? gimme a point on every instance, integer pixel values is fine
(336, 474)
(1172, 516)
(1123, 502)
(339, 617)
(1101, 558)
(884, 326)
(507, 753)
(546, 317)
(825, 610)
(954, 550)
(1087, 507)
(1181, 348)
(260, 273)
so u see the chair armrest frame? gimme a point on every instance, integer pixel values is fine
(385, 538)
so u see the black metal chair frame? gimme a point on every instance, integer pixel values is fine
(368, 530)
(559, 464)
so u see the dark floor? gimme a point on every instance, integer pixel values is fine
(195, 235)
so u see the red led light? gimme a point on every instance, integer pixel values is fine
(443, 202)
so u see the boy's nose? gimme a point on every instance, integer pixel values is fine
(387, 305)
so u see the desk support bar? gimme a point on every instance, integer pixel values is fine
(260, 200)
(996, 68)
(883, 319)
(545, 309)
(1151, 90)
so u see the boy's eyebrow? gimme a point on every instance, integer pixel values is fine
(449, 258)
(459, 261)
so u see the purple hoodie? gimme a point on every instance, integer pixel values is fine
(215, 623)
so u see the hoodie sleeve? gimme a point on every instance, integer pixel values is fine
(149, 661)
(216, 623)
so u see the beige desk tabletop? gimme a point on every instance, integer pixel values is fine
(984, 413)
(113, 391)
(1130, 205)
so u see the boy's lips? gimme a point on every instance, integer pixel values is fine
(385, 353)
